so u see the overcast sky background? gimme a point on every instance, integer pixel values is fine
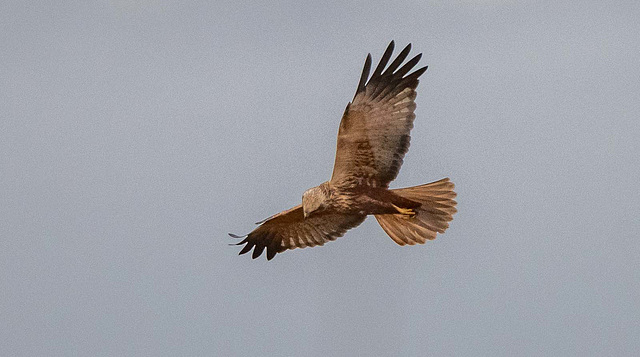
(135, 134)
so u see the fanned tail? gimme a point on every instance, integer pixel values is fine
(432, 217)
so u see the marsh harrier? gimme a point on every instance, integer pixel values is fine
(373, 138)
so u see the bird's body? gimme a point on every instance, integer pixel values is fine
(356, 199)
(373, 138)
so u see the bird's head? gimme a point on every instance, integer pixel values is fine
(314, 200)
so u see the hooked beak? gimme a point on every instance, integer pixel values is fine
(306, 214)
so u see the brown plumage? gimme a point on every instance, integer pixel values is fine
(373, 138)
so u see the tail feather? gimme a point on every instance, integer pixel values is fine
(433, 216)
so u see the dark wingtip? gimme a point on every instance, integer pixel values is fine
(384, 60)
(271, 252)
(364, 76)
(235, 235)
(399, 59)
(408, 66)
(417, 73)
(245, 249)
(396, 76)
(257, 251)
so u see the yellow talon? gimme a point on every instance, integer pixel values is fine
(405, 212)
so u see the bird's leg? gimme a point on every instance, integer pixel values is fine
(405, 212)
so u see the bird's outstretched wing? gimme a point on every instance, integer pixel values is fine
(289, 230)
(374, 132)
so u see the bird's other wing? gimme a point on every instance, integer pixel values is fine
(290, 230)
(374, 132)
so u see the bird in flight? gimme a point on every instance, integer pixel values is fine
(373, 138)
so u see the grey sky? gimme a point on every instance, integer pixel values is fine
(135, 134)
